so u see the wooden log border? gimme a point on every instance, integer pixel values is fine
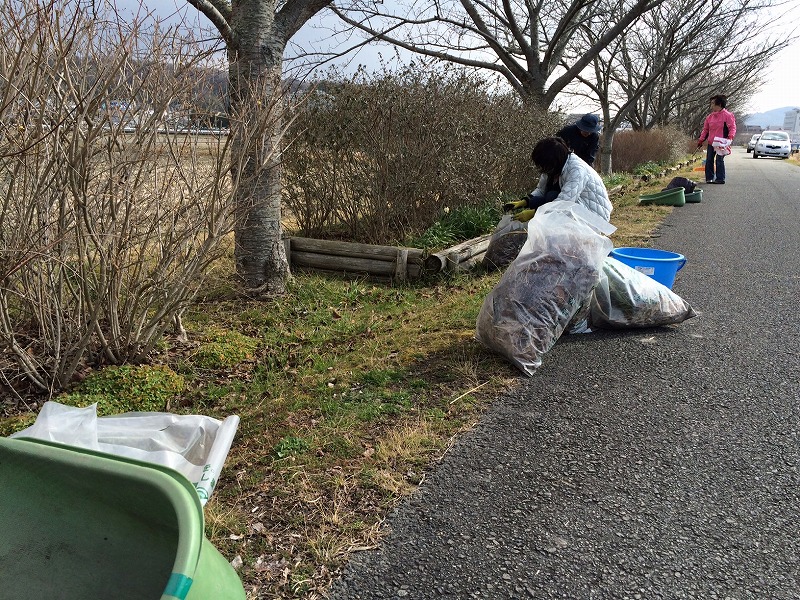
(395, 263)
(383, 263)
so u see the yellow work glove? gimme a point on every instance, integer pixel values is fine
(524, 216)
(509, 206)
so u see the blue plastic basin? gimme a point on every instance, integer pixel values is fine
(661, 265)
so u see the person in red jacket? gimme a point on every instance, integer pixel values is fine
(719, 130)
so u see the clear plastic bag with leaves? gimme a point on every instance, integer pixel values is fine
(627, 298)
(546, 285)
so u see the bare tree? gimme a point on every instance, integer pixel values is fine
(255, 33)
(109, 217)
(534, 45)
(661, 65)
(734, 67)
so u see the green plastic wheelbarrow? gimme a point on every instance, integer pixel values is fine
(670, 197)
(82, 525)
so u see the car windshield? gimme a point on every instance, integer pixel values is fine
(783, 137)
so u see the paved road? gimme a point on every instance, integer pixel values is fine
(654, 464)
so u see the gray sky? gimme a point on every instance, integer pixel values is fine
(782, 88)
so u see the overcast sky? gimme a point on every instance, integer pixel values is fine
(781, 90)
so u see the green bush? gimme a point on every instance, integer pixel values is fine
(649, 168)
(223, 349)
(458, 225)
(617, 179)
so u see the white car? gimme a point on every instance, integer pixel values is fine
(773, 143)
(752, 143)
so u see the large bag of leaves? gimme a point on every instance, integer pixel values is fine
(544, 287)
(505, 244)
(627, 298)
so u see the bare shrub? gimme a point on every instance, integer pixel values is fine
(377, 157)
(634, 148)
(110, 214)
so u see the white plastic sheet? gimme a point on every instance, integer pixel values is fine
(194, 445)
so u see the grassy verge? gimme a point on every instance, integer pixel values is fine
(347, 391)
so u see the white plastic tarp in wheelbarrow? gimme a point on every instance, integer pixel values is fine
(194, 445)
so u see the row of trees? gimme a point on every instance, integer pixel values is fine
(646, 62)
(643, 60)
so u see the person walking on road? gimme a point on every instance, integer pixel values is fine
(583, 137)
(719, 129)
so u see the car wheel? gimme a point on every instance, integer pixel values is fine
(754, 154)
(748, 150)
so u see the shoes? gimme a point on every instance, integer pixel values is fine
(719, 182)
(709, 181)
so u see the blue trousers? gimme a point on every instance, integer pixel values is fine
(714, 160)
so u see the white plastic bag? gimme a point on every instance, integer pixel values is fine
(627, 298)
(722, 146)
(546, 285)
(194, 445)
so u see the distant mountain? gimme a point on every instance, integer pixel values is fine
(771, 118)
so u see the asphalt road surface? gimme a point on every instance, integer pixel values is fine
(654, 464)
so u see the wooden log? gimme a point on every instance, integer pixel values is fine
(446, 260)
(353, 249)
(348, 264)
(398, 270)
(470, 263)
(383, 262)
(401, 264)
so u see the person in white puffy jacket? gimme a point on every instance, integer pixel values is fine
(564, 177)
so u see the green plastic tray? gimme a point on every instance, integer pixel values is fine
(77, 524)
(673, 197)
(695, 196)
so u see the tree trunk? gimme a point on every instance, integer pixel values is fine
(255, 92)
(606, 146)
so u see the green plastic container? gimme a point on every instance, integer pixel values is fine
(695, 196)
(77, 525)
(673, 197)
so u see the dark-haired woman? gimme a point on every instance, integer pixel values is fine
(564, 177)
(719, 129)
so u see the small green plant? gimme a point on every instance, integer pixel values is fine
(15, 424)
(224, 349)
(381, 377)
(127, 388)
(649, 168)
(459, 225)
(616, 179)
(290, 446)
